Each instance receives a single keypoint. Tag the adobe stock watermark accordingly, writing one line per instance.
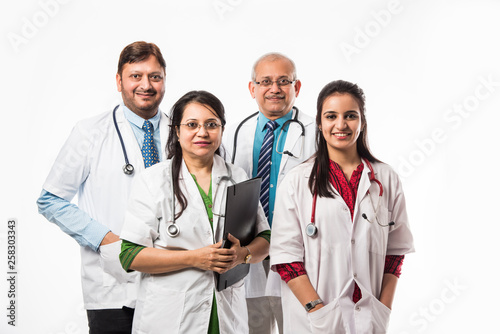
(31, 26)
(364, 36)
(453, 117)
(221, 7)
(421, 319)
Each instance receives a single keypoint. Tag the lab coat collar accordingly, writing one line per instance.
(138, 120)
(219, 170)
(364, 185)
(131, 145)
(164, 130)
(263, 120)
(293, 138)
(364, 182)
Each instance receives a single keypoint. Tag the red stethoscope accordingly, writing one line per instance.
(312, 229)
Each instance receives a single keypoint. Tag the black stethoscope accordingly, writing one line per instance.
(312, 229)
(173, 229)
(128, 169)
(294, 119)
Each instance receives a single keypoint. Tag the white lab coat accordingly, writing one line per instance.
(90, 163)
(181, 301)
(255, 281)
(342, 253)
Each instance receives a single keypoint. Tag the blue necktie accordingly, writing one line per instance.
(264, 165)
(149, 152)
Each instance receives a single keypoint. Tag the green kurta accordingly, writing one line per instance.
(213, 325)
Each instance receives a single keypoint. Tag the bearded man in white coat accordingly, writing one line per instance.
(99, 160)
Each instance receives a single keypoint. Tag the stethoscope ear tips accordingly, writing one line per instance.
(392, 223)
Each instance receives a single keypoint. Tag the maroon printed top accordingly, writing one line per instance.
(348, 191)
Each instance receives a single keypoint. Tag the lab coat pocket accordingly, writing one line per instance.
(379, 231)
(380, 316)
(238, 308)
(159, 310)
(112, 271)
(327, 319)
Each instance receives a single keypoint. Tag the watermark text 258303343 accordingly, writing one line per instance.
(11, 271)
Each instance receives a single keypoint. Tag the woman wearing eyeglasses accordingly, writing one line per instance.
(340, 228)
(177, 287)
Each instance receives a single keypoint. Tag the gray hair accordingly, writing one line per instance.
(273, 56)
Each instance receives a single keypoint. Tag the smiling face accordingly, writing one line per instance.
(142, 86)
(274, 101)
(198, 142)
(341, 124)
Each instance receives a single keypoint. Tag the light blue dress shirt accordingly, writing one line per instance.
(69, 217)
(260, 132)
(137, 122)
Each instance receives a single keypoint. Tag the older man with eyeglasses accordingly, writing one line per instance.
(268, 144)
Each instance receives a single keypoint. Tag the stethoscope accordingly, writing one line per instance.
(312, 229)
(173, 229)
(294, 119)
(128, 169)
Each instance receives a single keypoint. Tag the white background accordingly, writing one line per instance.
(423, 66)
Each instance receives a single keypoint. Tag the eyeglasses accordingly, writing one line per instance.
(209, 126)
(269, 83)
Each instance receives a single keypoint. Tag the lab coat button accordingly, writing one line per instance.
(358, 308)
(353, 242)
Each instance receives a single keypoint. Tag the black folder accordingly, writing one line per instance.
(242, 202)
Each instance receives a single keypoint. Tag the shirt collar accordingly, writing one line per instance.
(337, 173)
(262, 120)
(336, 167)
(139, 121)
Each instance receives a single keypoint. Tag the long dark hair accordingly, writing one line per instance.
(319, 178)
(174, 147)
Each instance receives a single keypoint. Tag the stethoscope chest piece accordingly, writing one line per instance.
(173, 230)
(311, 230)
(128, 169)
